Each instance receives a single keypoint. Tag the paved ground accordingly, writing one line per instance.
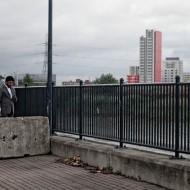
(42, 173)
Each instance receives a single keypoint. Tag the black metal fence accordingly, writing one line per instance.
(152, 115)
(31, 101)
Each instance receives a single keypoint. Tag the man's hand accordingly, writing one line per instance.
(14, 98)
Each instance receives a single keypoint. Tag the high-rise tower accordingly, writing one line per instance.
(150, 57)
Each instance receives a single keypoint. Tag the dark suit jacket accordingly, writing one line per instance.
(6, 102)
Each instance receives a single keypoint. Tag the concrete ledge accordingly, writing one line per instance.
(150, 167)
(23, 136)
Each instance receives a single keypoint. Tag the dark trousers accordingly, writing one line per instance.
(7, 115)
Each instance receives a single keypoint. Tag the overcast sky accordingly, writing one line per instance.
(90, 37)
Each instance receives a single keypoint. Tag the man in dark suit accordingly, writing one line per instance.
(7, 97)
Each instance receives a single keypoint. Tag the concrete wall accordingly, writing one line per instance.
(23, 136)
(154, 168)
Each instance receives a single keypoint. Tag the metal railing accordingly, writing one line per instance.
(151, 115)
(31, 101)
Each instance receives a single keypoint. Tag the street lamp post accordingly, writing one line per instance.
(49, 76)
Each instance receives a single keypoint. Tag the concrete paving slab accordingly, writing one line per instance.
(43, 173)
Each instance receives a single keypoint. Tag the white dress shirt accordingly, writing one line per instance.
(9, 90)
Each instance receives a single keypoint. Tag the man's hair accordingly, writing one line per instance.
(9, 78)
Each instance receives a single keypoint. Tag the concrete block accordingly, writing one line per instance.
(90, 153)
(23, 136)
(141, 165)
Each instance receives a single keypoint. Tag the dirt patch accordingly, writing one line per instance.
(77, 162)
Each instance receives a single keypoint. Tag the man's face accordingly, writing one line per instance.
(9, 83)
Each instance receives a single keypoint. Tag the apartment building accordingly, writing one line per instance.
(150, 57)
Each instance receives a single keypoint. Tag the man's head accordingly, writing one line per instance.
(9, 81)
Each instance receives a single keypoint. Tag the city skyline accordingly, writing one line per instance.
(90, 37)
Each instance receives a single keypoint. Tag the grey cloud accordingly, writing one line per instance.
(97, 36)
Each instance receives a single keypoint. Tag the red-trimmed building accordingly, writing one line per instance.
(133, 76)
(150, 57)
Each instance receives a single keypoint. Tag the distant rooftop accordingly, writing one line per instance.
(172, 58)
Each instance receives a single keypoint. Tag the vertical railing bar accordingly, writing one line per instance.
(104, 108)
(124, 114)
(96, 89)
(161, 111)
(188, 118)
(167, 126)
(170, 115)
(158, 117)
(102, 113)
(152, 116)
(177, 118)
(155, 115)
(112, 112)
(164, 117)
(138, 115)
(80, 110)
(67, 126)
(65, 107)
(111, 115)
(92, 111)
(57, 122)
(124, 132)
(87, 122)
(141, 115)
(118, 111)
(185, 116)
(173, 117)
(71, 110)
(181, 121)
(63, 119)
(171, 136)
(105, 112)
(87, 113)
(131, 113)
(25, 98)
(149, 113)
(134, 117)
(115, 112)
(136, 111)
(121, 113)
(54, 111)
(75, 111)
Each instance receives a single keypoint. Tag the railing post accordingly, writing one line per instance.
(80, 110)
(25, 98)
(53, 111)
(177, 118)
(50, 55)
(121, 113)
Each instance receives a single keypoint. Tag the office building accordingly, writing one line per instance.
(172, 67)
(186, 77)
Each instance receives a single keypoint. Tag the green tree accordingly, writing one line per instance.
(1, 82)
(106, 79)
(1, 77)
(27, 79)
